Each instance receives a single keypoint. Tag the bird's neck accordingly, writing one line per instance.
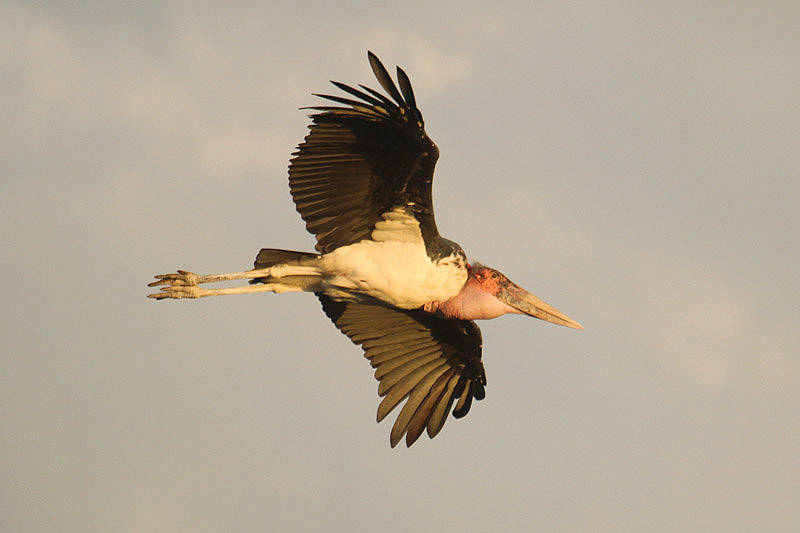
(471, 303)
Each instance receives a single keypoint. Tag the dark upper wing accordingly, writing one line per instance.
(361, 160)
(433, 361)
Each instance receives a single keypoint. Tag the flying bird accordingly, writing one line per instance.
(361, 181)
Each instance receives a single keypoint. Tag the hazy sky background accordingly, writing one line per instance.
(635, 164)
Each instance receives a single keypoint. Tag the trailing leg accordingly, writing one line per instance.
(276, 271)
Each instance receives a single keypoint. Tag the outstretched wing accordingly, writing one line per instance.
(362, 160)
(432, 361)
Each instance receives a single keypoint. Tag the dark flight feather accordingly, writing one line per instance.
(362, 160)
(427, 360)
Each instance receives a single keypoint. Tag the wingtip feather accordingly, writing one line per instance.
(383, 77)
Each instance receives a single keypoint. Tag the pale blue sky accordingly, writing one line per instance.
(634, 164)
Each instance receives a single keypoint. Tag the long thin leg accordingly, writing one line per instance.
(193, 291)
(184, 277)
(184, 284)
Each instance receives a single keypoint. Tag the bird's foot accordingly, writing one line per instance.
(180, 284)
(181, 277)
(179, 291)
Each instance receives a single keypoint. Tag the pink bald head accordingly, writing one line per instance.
(489, 294)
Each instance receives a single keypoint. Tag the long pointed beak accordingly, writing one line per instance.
(526, 303)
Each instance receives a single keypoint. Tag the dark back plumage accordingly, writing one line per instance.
(362, 160)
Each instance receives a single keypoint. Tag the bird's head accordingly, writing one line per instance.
(489, 293)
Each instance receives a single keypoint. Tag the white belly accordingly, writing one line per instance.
(393, 267)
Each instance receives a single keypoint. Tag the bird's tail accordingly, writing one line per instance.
(295, 269)
(268, 257)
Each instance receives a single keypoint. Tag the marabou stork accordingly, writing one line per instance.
(361, 181)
